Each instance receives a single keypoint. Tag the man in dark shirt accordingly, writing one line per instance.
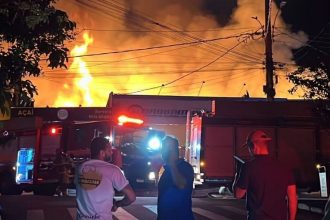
(175, 185)
(266, 182)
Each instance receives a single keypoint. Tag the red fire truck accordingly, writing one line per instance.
(40, 146)
(300, 132)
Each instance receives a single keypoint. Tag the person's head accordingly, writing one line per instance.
(170, 148)
(257, 142)
(101, 149)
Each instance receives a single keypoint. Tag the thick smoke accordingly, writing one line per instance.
(226, 67)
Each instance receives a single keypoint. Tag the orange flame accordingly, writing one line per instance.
(79, 93)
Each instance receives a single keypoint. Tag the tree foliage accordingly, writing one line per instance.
(314, 81)
(313, 59)
(30, 32)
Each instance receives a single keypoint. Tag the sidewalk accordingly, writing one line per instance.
(311, 202)
(204, 192)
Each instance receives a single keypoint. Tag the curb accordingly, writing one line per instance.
(203, 192)
(305, 207)
(200, 194)
(312, 202)
(216, 195)
(301, 204)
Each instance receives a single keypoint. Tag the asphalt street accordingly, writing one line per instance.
(208, 204)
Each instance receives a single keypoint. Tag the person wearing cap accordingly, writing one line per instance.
(175, 184)
(268, 185)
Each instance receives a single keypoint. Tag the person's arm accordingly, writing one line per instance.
(129, 198)
(241, 181)
(292, 201)
(238, 192)
(178, 179)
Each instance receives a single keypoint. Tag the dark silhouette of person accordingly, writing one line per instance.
(269, 186)
(175, 184)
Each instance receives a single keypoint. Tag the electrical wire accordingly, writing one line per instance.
(135, 17)
(181, 77)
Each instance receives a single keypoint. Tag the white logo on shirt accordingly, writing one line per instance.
(89, 178)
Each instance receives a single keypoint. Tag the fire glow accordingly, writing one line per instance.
(123, 64)
(78, 93)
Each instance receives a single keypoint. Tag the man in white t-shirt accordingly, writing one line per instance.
(96, 181)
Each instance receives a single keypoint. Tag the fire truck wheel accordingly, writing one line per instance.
(45, 189)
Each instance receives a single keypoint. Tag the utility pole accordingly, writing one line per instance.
(269, 87)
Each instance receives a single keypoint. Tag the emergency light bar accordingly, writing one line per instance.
(124, 119)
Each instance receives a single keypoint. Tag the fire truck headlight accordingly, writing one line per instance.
(154, 143)
(152, 176)
(110, 138)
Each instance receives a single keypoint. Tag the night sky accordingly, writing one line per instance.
(310, 16)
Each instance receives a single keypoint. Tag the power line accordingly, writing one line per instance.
(309, 44)
(165, 31)
(306, 44)
(215, 79)
(208, 84)
(165, 46)
(173, 81)
(169, 72)
(135, 17)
